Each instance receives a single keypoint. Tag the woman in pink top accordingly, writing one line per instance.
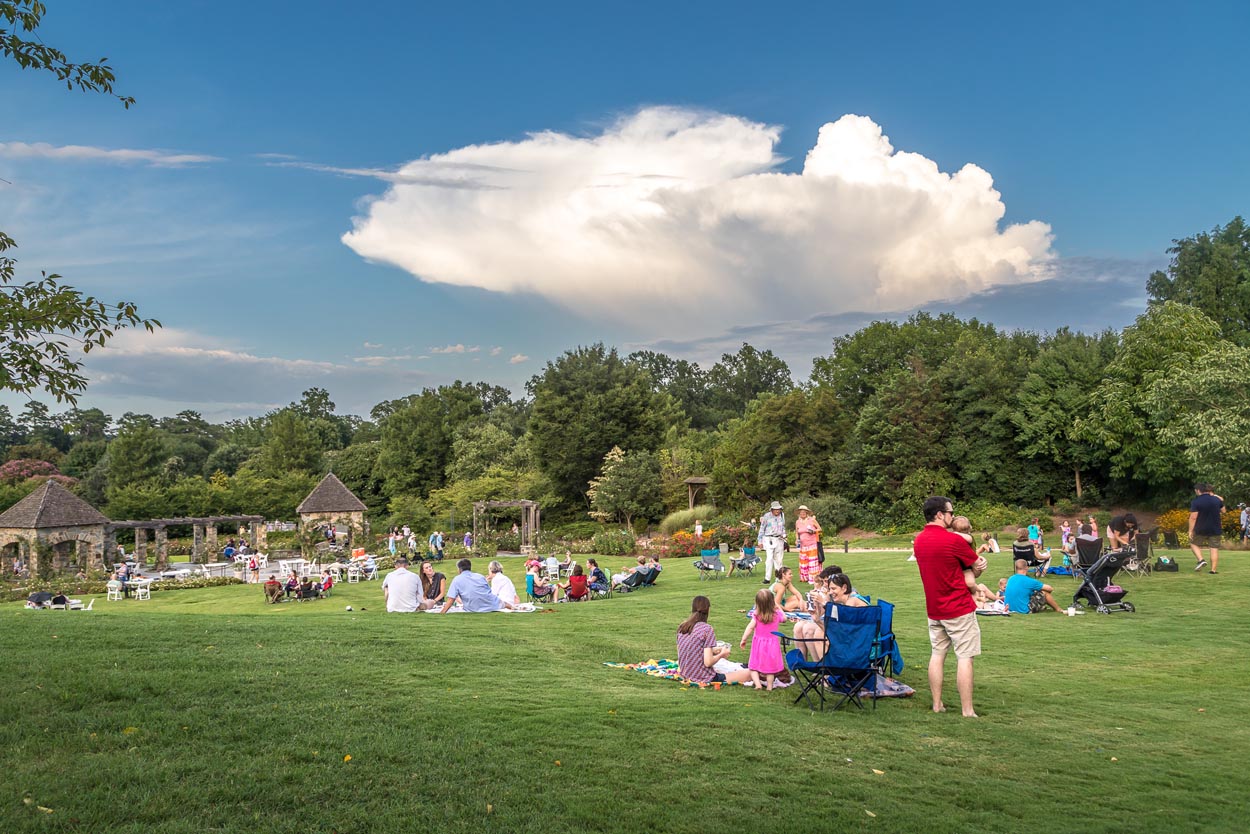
(807, 531)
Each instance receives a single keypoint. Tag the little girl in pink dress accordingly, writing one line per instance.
(766, 657)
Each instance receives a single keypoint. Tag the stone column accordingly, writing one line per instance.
(162, 548)
(253, 541)
(141, 544)
(108, 552)
(197, 543)
(210, 542)
(260, 536)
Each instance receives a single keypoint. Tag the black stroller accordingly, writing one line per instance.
(1096, 589)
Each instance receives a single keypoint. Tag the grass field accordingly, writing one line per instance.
(205, 710)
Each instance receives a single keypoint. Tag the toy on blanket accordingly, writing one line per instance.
(666, 669)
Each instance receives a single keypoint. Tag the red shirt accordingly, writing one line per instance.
(942, 556)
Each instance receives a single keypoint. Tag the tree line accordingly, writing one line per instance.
(896, 411)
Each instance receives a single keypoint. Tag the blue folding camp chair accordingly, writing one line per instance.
(709, 564)
(885, 651)
(848, 666)
(745, 564)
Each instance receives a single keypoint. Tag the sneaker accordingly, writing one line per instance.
(1202, 563)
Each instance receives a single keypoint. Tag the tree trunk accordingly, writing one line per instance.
(1077, 471)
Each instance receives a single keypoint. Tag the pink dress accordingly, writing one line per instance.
(766, 646)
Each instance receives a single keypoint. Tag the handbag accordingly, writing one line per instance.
(820, 551)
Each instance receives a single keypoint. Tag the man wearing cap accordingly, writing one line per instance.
(771, 539)
(402, 589)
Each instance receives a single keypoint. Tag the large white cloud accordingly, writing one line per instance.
(673, 217)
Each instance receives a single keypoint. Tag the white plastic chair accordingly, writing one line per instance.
(143, 590)
(353, 574)
(552, 566)
(115, 593)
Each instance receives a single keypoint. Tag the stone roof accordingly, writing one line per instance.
(331, 496)
(52, 505)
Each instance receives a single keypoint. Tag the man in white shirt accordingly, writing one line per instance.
(402, 588)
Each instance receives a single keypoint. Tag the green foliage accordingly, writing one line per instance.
(1211, 272)
(783, 442)
(585, 402)
(290, 447)
(410, 510)
(685, 519)
(1202, 408)
(1120, 420)
(614, 542)
(627, 487)
(417, 435)
(740, 378)
(136, 457)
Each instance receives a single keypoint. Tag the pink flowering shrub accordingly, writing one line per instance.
(13, 471)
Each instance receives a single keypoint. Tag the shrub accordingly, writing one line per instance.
(575, 530)
(1174, 520)
(683, 519)
(614, 542)
(681, 545)
(71, 587)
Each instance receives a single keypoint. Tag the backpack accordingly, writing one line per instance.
(1166, 565)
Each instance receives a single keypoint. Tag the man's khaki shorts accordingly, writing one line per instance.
(1200, 540)
(964, 633)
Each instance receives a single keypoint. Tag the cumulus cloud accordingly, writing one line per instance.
(518, 358)
(672, 212)
(88, 153)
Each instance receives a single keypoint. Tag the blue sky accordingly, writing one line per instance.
(517, 180)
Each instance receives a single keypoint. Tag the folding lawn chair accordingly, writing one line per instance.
(1088, 551)
(709, 565)
(632, 581)
(745, 564)
(885, 650)
(848, 665)
(533, 597)
(648, 576)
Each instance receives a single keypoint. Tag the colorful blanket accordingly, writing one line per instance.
(667, 669)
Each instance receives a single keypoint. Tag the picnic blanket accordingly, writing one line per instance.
(667, 669)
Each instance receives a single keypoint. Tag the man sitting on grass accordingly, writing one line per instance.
(473, 591)
(1021, 588)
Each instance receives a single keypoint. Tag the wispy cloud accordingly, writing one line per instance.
(457, 348)
(372, 345)
(89, 153)
(447, 176)
(378, 361)
(495, 351)
(518, 358)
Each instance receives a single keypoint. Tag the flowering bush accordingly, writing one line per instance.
(614, 543)
(14, 471)
(681, 545)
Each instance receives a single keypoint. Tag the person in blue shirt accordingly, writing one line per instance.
(1021, 587)
(473, 591)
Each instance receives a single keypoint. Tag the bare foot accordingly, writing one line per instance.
(939, 707)
(971, 715)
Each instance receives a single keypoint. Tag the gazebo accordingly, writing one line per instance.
(331, 502)
(694, 486)
(55, 522)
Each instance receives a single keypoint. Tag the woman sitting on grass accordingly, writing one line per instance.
(698, 654)
(787, 596)
(433, 586)
(500, 585)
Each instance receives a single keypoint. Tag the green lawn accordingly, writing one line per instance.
(205, 710)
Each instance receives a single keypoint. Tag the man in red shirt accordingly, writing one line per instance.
(942, 557)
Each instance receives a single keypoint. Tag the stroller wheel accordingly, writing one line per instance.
(1128, 606)
(1102, 609)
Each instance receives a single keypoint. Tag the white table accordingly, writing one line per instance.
(218, 568)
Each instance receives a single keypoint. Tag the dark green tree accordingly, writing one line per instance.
(136, 457)
(628, 487)
(738, 378)
(290, 447)
(584, 403)
(1211, 271)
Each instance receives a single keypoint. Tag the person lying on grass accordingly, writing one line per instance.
(473, 592)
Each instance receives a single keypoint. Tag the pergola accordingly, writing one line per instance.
(203, 534)
(530, 514)
(695, 486)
